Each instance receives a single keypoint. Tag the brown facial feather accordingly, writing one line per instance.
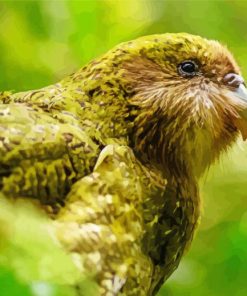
(184, 123)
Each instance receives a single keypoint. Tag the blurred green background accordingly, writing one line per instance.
(42, 41)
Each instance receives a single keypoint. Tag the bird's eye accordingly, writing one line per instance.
(187, 68)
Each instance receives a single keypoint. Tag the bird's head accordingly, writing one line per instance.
(188, 99)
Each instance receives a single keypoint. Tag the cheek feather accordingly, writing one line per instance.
(184, 126)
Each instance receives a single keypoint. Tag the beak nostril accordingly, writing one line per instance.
(233, 80)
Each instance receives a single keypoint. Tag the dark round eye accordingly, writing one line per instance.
(187, 68)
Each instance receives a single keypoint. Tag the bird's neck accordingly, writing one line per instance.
(180, 153)
(178, 145)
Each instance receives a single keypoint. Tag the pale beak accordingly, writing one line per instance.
(240, 93)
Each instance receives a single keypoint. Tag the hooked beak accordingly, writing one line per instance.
(240, 93)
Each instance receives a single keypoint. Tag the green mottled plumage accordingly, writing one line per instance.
(87, 148)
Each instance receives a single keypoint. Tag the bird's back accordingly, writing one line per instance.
(44, 148)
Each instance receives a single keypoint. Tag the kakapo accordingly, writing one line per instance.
(113, 153)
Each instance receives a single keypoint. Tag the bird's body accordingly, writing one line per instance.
(113, 154)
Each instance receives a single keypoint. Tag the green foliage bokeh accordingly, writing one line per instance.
(42, 41)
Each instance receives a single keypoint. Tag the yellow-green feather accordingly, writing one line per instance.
(69, 146)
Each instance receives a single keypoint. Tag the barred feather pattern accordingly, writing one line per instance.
(113, 154)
